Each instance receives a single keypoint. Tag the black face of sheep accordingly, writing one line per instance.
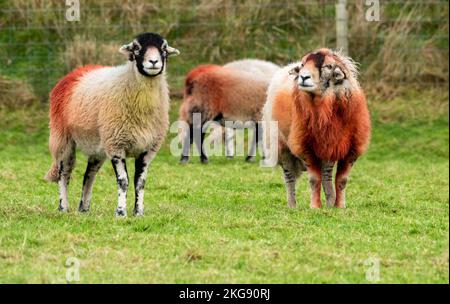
(150, 51)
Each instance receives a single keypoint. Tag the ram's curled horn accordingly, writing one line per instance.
(170, 50)
(338, 74)
(349, 64)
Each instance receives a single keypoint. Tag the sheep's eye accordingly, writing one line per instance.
(328, 66)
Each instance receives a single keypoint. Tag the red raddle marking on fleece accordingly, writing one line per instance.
(195, 72)
(209, 101)
(59, 96)
(331, 129)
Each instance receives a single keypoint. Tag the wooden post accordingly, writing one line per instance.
(342, 26)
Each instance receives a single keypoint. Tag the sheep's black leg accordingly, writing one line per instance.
(203, 156)
(198, 135)
(141, 167)
(94, 164)
(199, 138)
(120, 168)
(327, 183)
(187, 143)
(65, 167)
(257, 139)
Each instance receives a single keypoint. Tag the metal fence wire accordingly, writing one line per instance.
(406, 45)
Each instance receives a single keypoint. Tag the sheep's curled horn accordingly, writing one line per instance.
(338, 74)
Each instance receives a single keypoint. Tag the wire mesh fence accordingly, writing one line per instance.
(407, 45)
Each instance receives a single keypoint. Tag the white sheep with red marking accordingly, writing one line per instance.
(111, 112)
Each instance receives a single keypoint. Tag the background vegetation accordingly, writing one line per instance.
(227, 222)
(406, 49)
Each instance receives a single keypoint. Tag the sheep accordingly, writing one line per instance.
(233, 92)
(261, 68)
(322, 119)
(258, 68)
(111, 112)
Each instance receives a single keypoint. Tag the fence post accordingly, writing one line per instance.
(342, 26)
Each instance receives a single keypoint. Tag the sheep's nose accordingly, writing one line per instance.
(153, 61)
(305, 77)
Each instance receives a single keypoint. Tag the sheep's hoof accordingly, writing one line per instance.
(230, 157)
(121, 212)
(184, 160)
(83, 209)
(339, 203)
(330, 203)
(315, 206)
(250, 159)
(63, 209)
(292, 205)
(204, 160)
(138, 212)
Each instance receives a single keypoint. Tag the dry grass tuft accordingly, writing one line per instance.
(16, 93)
(82, 51)
(192, 256)
(395, 61)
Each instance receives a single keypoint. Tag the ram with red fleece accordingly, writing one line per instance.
(322, 118)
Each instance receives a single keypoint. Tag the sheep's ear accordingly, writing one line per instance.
(131, 49)
(295, 71)
(126, 48)
(170, 50)
(338, 74)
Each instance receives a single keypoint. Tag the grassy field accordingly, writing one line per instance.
(227, 221)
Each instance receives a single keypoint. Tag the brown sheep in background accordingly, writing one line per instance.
(233, 92)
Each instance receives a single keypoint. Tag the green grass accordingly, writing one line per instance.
(228, 221)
